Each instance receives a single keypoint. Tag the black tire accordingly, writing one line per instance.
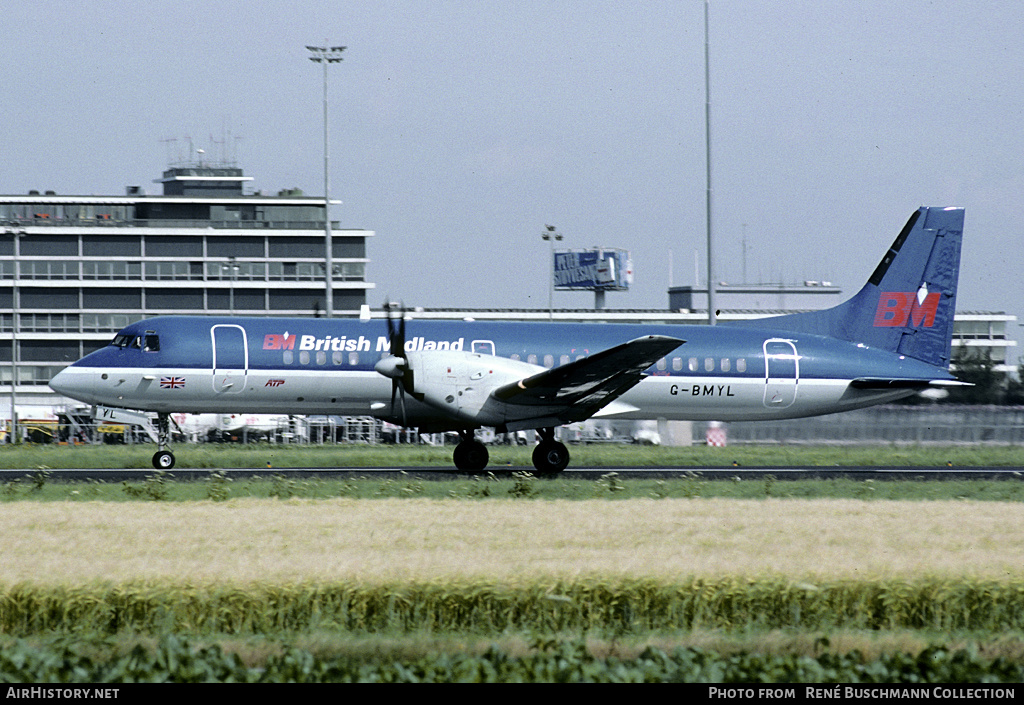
(163, 460)
(550, 457)
(471, 456)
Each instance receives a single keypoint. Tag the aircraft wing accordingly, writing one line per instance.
(578, 390)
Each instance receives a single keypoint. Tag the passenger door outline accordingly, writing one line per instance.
(781, 373)
(230, 358)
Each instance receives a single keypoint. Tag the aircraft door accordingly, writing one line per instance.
(781, 373)
(230, 358)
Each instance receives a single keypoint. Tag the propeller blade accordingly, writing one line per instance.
(401, 399)
(397, 366)
(398, 339)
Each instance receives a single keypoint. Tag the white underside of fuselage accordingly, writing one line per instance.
(360, 393)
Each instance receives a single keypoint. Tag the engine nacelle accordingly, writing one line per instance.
(460, 383)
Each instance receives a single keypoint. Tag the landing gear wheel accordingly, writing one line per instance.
(550, 457)
(163, 460)
(471, 456)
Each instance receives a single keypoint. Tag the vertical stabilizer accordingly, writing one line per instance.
(907, 305)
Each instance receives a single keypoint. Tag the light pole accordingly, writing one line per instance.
(232, 269)
(16, 236)
(712, 313)
(327, 55)
(550, 234)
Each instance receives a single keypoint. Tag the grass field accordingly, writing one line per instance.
(378, 571)
(356, 456)
(506, 540)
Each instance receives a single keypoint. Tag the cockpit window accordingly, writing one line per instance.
(150, 342)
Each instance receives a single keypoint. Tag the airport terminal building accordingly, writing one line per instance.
(76, 269)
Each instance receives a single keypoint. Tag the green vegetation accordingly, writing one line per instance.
(552, 660)
(943, 623)
(221, 486)
(438, 632)
(262, 455)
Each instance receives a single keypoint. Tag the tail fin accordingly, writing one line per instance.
(907, 306)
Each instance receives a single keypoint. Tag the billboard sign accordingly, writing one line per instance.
(593, 270)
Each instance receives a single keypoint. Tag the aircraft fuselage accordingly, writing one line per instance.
(318, 366)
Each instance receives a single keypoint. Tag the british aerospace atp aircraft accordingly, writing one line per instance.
(890, 340)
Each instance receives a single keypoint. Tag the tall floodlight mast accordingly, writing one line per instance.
(712, 314)
(551, 235)
(325, 56)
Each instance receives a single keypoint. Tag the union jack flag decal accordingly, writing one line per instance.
(172, 382)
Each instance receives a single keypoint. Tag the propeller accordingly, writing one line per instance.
(396, 366)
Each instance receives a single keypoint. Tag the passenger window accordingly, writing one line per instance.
(321, 357)
(662, 364)
(532, 359)
(726, 364)
(549, 361)
(563, 360)
(353, 358)
(741, 365)
(693, 364)
(337, 358)
(677, 364)
(514, 356)
(304, 357)
(709, 364)
(289, 357)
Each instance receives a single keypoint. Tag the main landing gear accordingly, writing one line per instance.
(549, 457)
(163, 459)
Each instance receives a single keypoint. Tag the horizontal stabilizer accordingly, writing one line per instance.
(895, 383)
(616, 408)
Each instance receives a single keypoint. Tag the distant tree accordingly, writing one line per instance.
(1015, 387)
(977, 368)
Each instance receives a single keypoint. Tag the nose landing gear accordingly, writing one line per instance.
(163, 459)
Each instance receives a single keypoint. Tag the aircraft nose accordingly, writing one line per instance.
(74, 382)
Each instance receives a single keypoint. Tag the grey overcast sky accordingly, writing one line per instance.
(460, 128)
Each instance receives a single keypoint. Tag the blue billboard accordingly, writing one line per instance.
(593, 270)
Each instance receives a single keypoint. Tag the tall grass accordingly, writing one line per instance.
(594, 605)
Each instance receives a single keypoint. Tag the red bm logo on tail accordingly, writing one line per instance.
(898, 308)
